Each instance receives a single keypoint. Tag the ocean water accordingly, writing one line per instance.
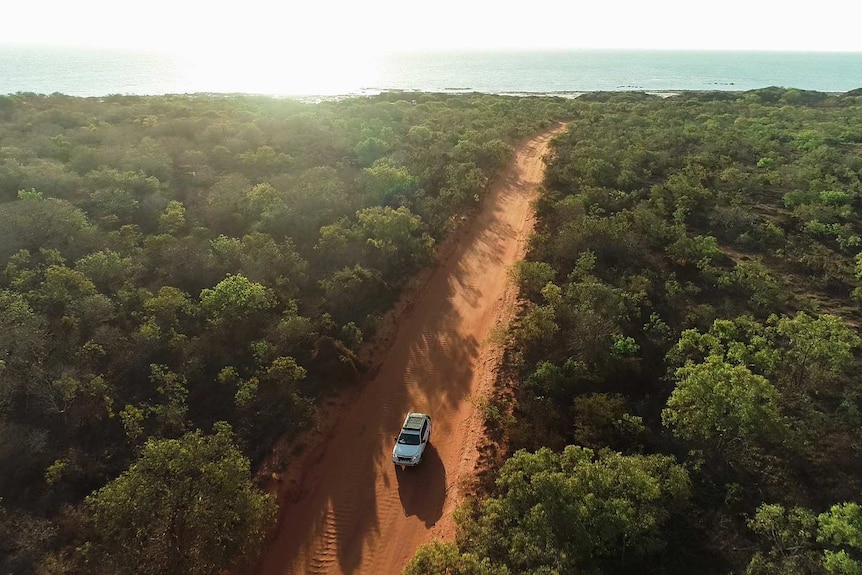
(89, 72)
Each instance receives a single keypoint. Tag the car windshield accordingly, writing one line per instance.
(408, 439)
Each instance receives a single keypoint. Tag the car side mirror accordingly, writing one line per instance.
(395, 438)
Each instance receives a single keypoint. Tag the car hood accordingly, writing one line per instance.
(404, 450)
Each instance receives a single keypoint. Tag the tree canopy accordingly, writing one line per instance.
(692, 291)
(186, 505)
(576, 511)
(169, 262)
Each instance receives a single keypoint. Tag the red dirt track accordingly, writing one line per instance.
(354, 513)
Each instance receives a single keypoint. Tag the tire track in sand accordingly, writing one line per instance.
(356, 513)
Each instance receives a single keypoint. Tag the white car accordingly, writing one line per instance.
(410, 443)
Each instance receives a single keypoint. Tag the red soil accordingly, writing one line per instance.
(350, 510)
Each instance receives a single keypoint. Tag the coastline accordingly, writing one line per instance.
(94, 73)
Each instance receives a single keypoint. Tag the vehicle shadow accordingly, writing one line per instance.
(429, 366)
(422, 489)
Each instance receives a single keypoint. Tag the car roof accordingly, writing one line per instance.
(414, 421)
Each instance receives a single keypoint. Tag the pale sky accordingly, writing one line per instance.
(326, 28)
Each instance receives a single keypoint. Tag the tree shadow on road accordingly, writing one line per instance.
(422, 489)
(429, 365)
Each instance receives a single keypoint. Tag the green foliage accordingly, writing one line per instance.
(352, 293)
(22, 336)
(30, 195)
(396, 239)
(677, 241)
(116, 213)
(278, 393)
(694, 250)
(841, 563)
(790, 534)
(623, 346)
(537, 327)
(107, 269)
(576, 511)
(55, 471)
(132, 419)
(602, 420)
(261, 259)
(170, 413)
(532, 277)
(392, 242)
(185, 505)
(52, 223)
(494, 413)
(766, 163)
(235, 299)
(439, 558)
(718, 402)
(548, 379)
(263, 161)
(383, 183)
(173, 219)
(752, 280)
(818, 351)
(670, 213)
(741, 341)
(656, 328)
(841, 528)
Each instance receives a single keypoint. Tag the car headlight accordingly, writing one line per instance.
(414, 459)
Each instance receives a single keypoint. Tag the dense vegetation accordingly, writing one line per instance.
(181, 278)
(682, 391)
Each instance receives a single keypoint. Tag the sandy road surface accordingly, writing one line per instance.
(356, 514)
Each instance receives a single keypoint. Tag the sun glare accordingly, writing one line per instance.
(278, 72)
